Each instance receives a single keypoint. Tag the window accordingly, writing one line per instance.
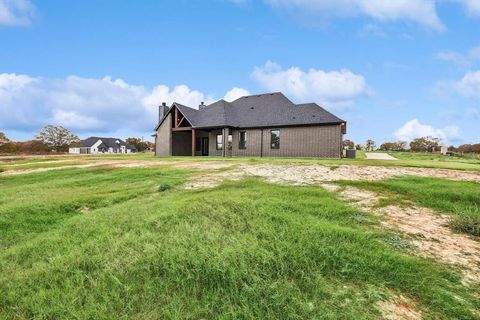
(275, 139)
(219, 142)
(242, 140)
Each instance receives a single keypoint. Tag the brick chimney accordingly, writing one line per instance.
(162, 111)
(201, 106)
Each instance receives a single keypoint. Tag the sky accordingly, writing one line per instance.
(394, 70)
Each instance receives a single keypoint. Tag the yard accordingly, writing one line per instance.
(181, 238)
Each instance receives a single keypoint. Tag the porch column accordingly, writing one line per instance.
(193, 142)
(225, 141)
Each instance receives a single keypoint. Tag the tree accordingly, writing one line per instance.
(393, 146)
(349, 144)
(138, 143)
(370, 145)
(424, 144)
(359, 147)
(33, 147)
(3, 138)
(57, 137)
(9, 147)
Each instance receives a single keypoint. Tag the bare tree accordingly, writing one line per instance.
(57, 137)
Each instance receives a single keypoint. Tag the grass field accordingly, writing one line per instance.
(132, 243)
(405, 159)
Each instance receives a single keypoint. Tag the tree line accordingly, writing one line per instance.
(422, 144)
(56, 139)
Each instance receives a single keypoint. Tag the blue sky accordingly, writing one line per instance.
(392, 69)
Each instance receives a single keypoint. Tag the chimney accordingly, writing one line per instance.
(162, 111)
(201, 106)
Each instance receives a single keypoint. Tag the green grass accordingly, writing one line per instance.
(38, 165)
(461, 199)
(469, 158)
(34, 203)
(239, 251)
(406, 159)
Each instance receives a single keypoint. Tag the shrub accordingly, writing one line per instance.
(467, 221)
(164, 187)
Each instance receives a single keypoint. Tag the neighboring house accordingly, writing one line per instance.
(96, 145)
(266, 125)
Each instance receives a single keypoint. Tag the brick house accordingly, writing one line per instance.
(265, 125)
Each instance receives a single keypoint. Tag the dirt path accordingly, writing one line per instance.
(379, 156)
(427, 230)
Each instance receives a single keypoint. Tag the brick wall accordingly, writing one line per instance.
(314, 141)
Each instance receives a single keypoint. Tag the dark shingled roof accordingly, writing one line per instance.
(264, 110)
(106, 143)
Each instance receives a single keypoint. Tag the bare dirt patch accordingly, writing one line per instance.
(430, 233)
(399, 307)
(296, 174)
(427, 229)
(309, 174)
(214, 179)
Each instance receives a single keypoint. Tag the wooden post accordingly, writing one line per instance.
(176, 117)
(224, 153)
(193, 142)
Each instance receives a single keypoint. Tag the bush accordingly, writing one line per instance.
(9, 147)
(164, 187)
(467, 221)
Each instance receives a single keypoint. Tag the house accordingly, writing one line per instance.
(265, 125)
(96, 145)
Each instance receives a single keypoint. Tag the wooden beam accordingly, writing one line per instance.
(182, 129)
(180, 121)
(176, 117)
(193, 143)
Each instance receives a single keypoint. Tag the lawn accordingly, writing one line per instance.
(405, 159)
(131, 243)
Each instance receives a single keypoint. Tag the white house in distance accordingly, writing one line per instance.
(99, 145)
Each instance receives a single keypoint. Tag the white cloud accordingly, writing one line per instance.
(463, 60)
(469, 85)
(235, 93)
(181, 94)
(86, 105)
(16, 12)
(331, 88)
(420, 11)
(472, 7)
(414, 129)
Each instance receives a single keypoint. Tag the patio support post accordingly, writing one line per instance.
(193, 142)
